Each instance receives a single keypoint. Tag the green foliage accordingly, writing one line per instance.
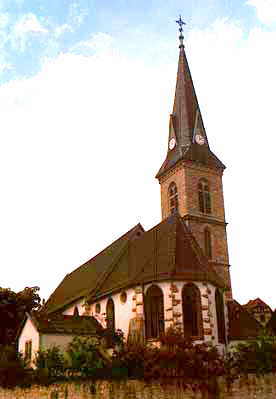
(257, 356)
(83, 356)
(113, 338)
(13, 307)
(197, 366)
(50, 363)
(12, 371)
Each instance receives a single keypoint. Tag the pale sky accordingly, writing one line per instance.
(86, 89)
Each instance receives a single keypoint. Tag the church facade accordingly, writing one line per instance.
(176, 274)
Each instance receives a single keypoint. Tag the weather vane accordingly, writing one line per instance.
(180, 22)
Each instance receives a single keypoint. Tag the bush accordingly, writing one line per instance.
(197, 366)
(258, 356)
(84, 357)
(51, 361)
(12, 370)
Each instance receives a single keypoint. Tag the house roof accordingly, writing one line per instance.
(64, 324)
(242, 325)
(250, 305)
(78, 284)
(167, 251)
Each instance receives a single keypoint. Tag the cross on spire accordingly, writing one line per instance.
(180, 22)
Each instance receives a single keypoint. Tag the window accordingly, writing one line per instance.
(110, 315)
(173, 198)
(154, 312)
(220, 316)
(123, 297)
(204, 198)
(192, 315)
(28, 350)
(76, 311)
(207, 243)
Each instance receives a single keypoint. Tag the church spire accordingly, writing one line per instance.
(186, 114)
(187, 136)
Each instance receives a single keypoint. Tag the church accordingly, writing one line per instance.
(177, 274)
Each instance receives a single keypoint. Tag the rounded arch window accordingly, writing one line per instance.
(98, 308)
(110, 315)
(123, 297)
(192, 314)
(76, 311)
(154, 312)
(173, 197)
(204, 197)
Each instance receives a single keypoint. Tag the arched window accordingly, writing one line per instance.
(76, 311)
(154, 312)
(204, 197)
(192, 315)
(207, 243)
(220, 316)
(173, 198)
(110, 315)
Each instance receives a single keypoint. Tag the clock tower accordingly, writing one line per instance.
(191, 176)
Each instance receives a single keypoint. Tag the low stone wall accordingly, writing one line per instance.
(253, 388)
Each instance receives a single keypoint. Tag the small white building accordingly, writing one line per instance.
(41, 332)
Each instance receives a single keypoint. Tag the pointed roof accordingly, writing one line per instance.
(242, 325)
(186, 123)
(78, 284)
(167, 251)
(252, 303)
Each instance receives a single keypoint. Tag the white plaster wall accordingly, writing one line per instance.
(49, 340)
(165, 287)
(29, 332)
(70, 310)
(123, 311)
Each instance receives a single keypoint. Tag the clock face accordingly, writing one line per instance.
(172, 143)
(199, 139)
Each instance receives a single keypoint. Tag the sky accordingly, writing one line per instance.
(86, 89)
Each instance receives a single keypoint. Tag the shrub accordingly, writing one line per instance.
(50, 365)
(194, 365)
(257, 356)
(12, 370)
(84, 357)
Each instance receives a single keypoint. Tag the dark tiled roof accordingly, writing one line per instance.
(193, 152)
(167, 251)
(80, 282)
(250, 305)
(184, 121)
(61, 324)
(242, 325)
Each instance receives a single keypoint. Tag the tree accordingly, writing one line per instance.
(13, 307)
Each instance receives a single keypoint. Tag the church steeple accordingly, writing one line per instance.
(187, 135)
(191, 176)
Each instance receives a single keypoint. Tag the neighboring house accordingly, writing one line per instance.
(41, 332)
(260, 310)
(243, 326)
